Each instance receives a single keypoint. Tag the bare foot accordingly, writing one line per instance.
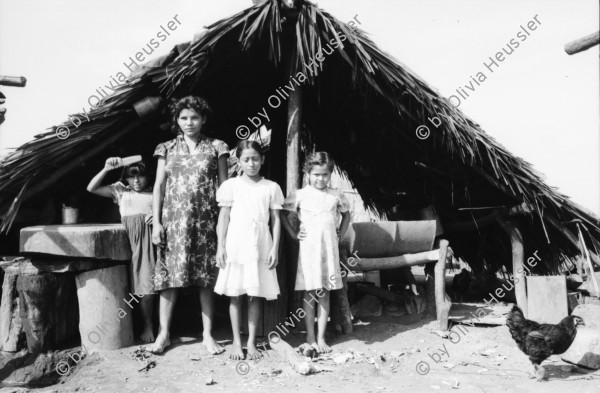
(147, 335)
(253, 353)
(211, 345)
(323, 347)
(161, 343)
(315, 346)
(540, 372)
(236, 352)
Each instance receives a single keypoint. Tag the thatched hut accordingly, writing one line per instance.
(326, 85)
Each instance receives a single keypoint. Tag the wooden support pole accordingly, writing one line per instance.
(293, 181)
(438, 302)
(294, 124)
(442, 300)
(511, 227)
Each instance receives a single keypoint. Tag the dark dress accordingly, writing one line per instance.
(189, 214)
(134, 208)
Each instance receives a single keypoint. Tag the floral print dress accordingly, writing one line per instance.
(189, 213)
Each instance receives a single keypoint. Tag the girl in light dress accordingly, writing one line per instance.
(247, 252)
(318, 271)
(135, 206)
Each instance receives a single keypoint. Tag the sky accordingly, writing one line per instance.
(540, 103)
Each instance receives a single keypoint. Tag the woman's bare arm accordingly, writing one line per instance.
(222, 168)
(158, 196)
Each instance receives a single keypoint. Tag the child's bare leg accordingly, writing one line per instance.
(207, 304)
(253, 315)
(309, 318)
(236, 316)
(147, 306)
(322, 322)
(165, 311)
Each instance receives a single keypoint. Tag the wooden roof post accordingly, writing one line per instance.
(442, 301)
(275, 312)
(511, 226)
(294, 125)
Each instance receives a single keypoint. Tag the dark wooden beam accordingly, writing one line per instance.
(583, 43)
(511, 226)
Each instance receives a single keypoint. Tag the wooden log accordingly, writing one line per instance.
(100, 241)
(518, 259)
(44, 301)
(442, 300)
(105, 316)
(12, 335)
(17, 81)
(298, 362)
(366, 264)
(583, 43)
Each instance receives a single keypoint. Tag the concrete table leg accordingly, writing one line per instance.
(105, 309)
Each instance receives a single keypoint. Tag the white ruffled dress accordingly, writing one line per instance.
(248, 240)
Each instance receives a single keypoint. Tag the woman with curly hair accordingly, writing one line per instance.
(190, 169)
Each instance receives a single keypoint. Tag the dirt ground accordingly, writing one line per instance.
(382, 355)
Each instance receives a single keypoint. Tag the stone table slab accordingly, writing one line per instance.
(102, 241)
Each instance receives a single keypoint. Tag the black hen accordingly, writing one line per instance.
(460, 284)
(539, 341)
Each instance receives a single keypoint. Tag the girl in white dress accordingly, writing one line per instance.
(318, 262)
(247, 253)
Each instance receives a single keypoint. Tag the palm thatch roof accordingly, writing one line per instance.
(361, 105)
